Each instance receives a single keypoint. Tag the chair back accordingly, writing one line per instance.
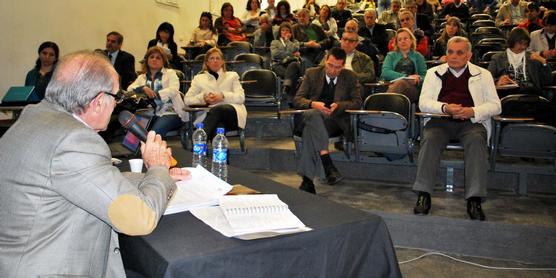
(476, 17)
(391, 102)
(521, 105)
(488, 56)
(181, 77)
(247, 61)
(265, 87)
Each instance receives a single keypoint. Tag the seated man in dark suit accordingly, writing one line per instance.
(327, 91)
(123, 62)
(375, 32)
(457, 9)
(340, 13)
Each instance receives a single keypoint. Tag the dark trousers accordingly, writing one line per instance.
(317, 128)
(223, 115)
(436, 135)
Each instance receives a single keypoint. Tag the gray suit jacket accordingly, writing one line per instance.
(347, 93)
(62, 201)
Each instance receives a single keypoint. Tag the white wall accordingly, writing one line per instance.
(83, 24)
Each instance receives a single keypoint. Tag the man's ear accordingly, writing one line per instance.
(97, 103)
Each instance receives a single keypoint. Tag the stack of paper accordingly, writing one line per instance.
(250, 216)
(202, 190)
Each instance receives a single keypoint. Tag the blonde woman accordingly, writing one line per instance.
(404, 66)
(220, 90)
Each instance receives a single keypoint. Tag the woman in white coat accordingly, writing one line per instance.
(161, 85)
(220, 90)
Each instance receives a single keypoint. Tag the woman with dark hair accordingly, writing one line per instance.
(251, 15)
(327, 22)
(220, 90)
(161, 85)
(204, 36)
(516, 66)
(40, 75)
(230, 27)
(284, 13)
(165, 40)
(453, 28)
(404, 66)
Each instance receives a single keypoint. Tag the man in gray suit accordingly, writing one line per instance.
(327, 91)
(61, 200)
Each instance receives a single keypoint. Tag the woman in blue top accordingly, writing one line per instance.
(404, 67)
(40, 75)
(161, 85)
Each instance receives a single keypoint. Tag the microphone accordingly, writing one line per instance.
(130, 122)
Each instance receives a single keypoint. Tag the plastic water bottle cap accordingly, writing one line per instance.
(199, 125)
(220, 130)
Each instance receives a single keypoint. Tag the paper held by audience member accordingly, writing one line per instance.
(202, 190)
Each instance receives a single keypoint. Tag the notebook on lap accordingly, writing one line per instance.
(17, 96)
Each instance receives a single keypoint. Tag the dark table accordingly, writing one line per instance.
(345, 242)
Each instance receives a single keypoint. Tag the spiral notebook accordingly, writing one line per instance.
(250, 216)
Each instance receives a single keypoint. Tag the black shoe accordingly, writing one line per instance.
(423, 203)
(474, 209)
(333, 176)
(308, 186)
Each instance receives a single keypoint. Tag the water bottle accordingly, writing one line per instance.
(220, 155)
(199, 146)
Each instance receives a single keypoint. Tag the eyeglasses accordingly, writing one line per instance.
(405, 19)
(118, 96)
(349, 40)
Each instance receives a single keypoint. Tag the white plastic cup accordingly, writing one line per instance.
(136, 165)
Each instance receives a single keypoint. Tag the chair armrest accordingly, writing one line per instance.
(195, 108)
(377, 84)
(364, 112)
(431, 115)
(292, 112)
(512, 119)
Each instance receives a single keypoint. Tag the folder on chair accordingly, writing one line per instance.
(17, 96)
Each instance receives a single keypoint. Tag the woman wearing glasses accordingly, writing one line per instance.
(220, 90)
(161, 85)
(404, 66)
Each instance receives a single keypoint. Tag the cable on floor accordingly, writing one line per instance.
(476, 264)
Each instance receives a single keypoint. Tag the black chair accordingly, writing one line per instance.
(384, 126)
(486, 32)
(264, 92)
(481, 23)
(487, 45)
(476, 17)
(232, 49)
(521, 129)
(247, 61)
